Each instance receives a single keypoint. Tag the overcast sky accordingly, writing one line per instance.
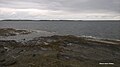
(60, 9)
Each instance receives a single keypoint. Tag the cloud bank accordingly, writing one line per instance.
(60, 9)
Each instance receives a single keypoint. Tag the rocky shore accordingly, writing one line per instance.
(12, 32)
(60, 51)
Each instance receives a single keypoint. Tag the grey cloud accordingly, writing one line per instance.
(66, 5)
(90, 5)
(70, 6)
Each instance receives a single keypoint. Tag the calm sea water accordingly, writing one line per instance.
(96, 29)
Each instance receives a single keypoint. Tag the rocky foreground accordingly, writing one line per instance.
(60, 51)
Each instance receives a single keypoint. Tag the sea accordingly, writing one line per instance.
(97, 29)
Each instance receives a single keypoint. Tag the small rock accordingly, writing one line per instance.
(43, 48)
(33, 55)
(70, 44)
(46, 43)
(6, 48)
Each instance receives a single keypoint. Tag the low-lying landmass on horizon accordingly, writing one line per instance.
(53, 20)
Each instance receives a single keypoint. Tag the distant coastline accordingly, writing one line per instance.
(57, 20)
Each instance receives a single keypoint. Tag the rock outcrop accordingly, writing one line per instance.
(5, 58)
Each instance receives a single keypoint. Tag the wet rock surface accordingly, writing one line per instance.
(59, 51)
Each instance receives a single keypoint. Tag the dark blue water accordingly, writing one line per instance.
(96, 29)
